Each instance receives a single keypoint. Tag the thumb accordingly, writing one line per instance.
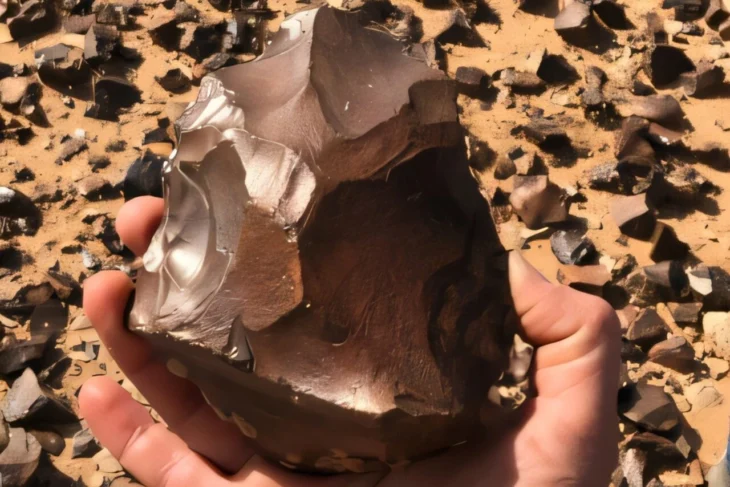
(527, 284)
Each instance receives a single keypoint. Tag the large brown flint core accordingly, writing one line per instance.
(327, 271)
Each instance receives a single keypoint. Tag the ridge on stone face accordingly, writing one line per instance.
(327, 271)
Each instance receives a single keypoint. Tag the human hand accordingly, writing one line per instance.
(567, 436)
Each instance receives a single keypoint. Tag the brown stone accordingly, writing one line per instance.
(633, 216)
(538, 201)
(651, 407)
(674, 353)
(647, 329)
(665, 245)
(685, 312)
(318, 225)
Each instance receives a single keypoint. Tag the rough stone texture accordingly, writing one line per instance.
(297, 257)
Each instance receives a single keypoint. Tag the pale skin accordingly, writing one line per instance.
(566, 437)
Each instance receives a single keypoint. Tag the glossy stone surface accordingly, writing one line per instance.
(327, 271)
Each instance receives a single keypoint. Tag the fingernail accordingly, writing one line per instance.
(520, 270)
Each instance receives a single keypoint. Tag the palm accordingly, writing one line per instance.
(566, 435)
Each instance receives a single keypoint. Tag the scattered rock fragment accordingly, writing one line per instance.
(30, 402)
(19, 460)
(574, 17)
(595, 77)
(94, 188)
(716, 325)
(84, 444)
(665, 245)
(703, 81)
(174, 81)
(112, 96)
(572, 247)
(49, 318)
(633, 216)
(18, 214)
(144, 177)
(663, 109)
(674, 353)
(632, 145)
(538, 201)
(588, 278)
(15, 354)
(702, 395)
(648, 329)
(70, 148)
(657, 448)
(471, 81)
(652, 408)
(35, 17)
(716, 14)
(63, 69)
(685, 313)
(100, 43)
(700, 279)
(521, 80)
(505, 168)
(50, 441)
(114, 14)
(669, 274)
(718, 367)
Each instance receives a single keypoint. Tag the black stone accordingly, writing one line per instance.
(144, 177)
(31, 403)
(572, 247)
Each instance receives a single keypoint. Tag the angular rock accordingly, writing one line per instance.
(31, 403)
(702, 395)
(589, 278)
(674, 353)
(700, 279)
(574, 17)
(84, 444)
(144, 177)
(663, 109)
(648, 329)
(49, 318)
(95, 187)
(716, 14)
(13, 90)
(505, 168)
(716, 325)
(70, 148)
(703, 81)
(50, 441)
(78, 24)
(538, 201)
(15, 354)
(632, 145)
(20, 459)
(63, 69)
(241, 200)
(112, 96)
(686, 184)
(35, 17)
(657, 448)
(471, 81)
(595, 78)
(685, 313)
(665, 245)
(669, 274)
(521, 80)
(633, 216)
(652, 408)
(572, 247)
(114, 14)
(100, 43)
(174, 81)
(18, 214)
